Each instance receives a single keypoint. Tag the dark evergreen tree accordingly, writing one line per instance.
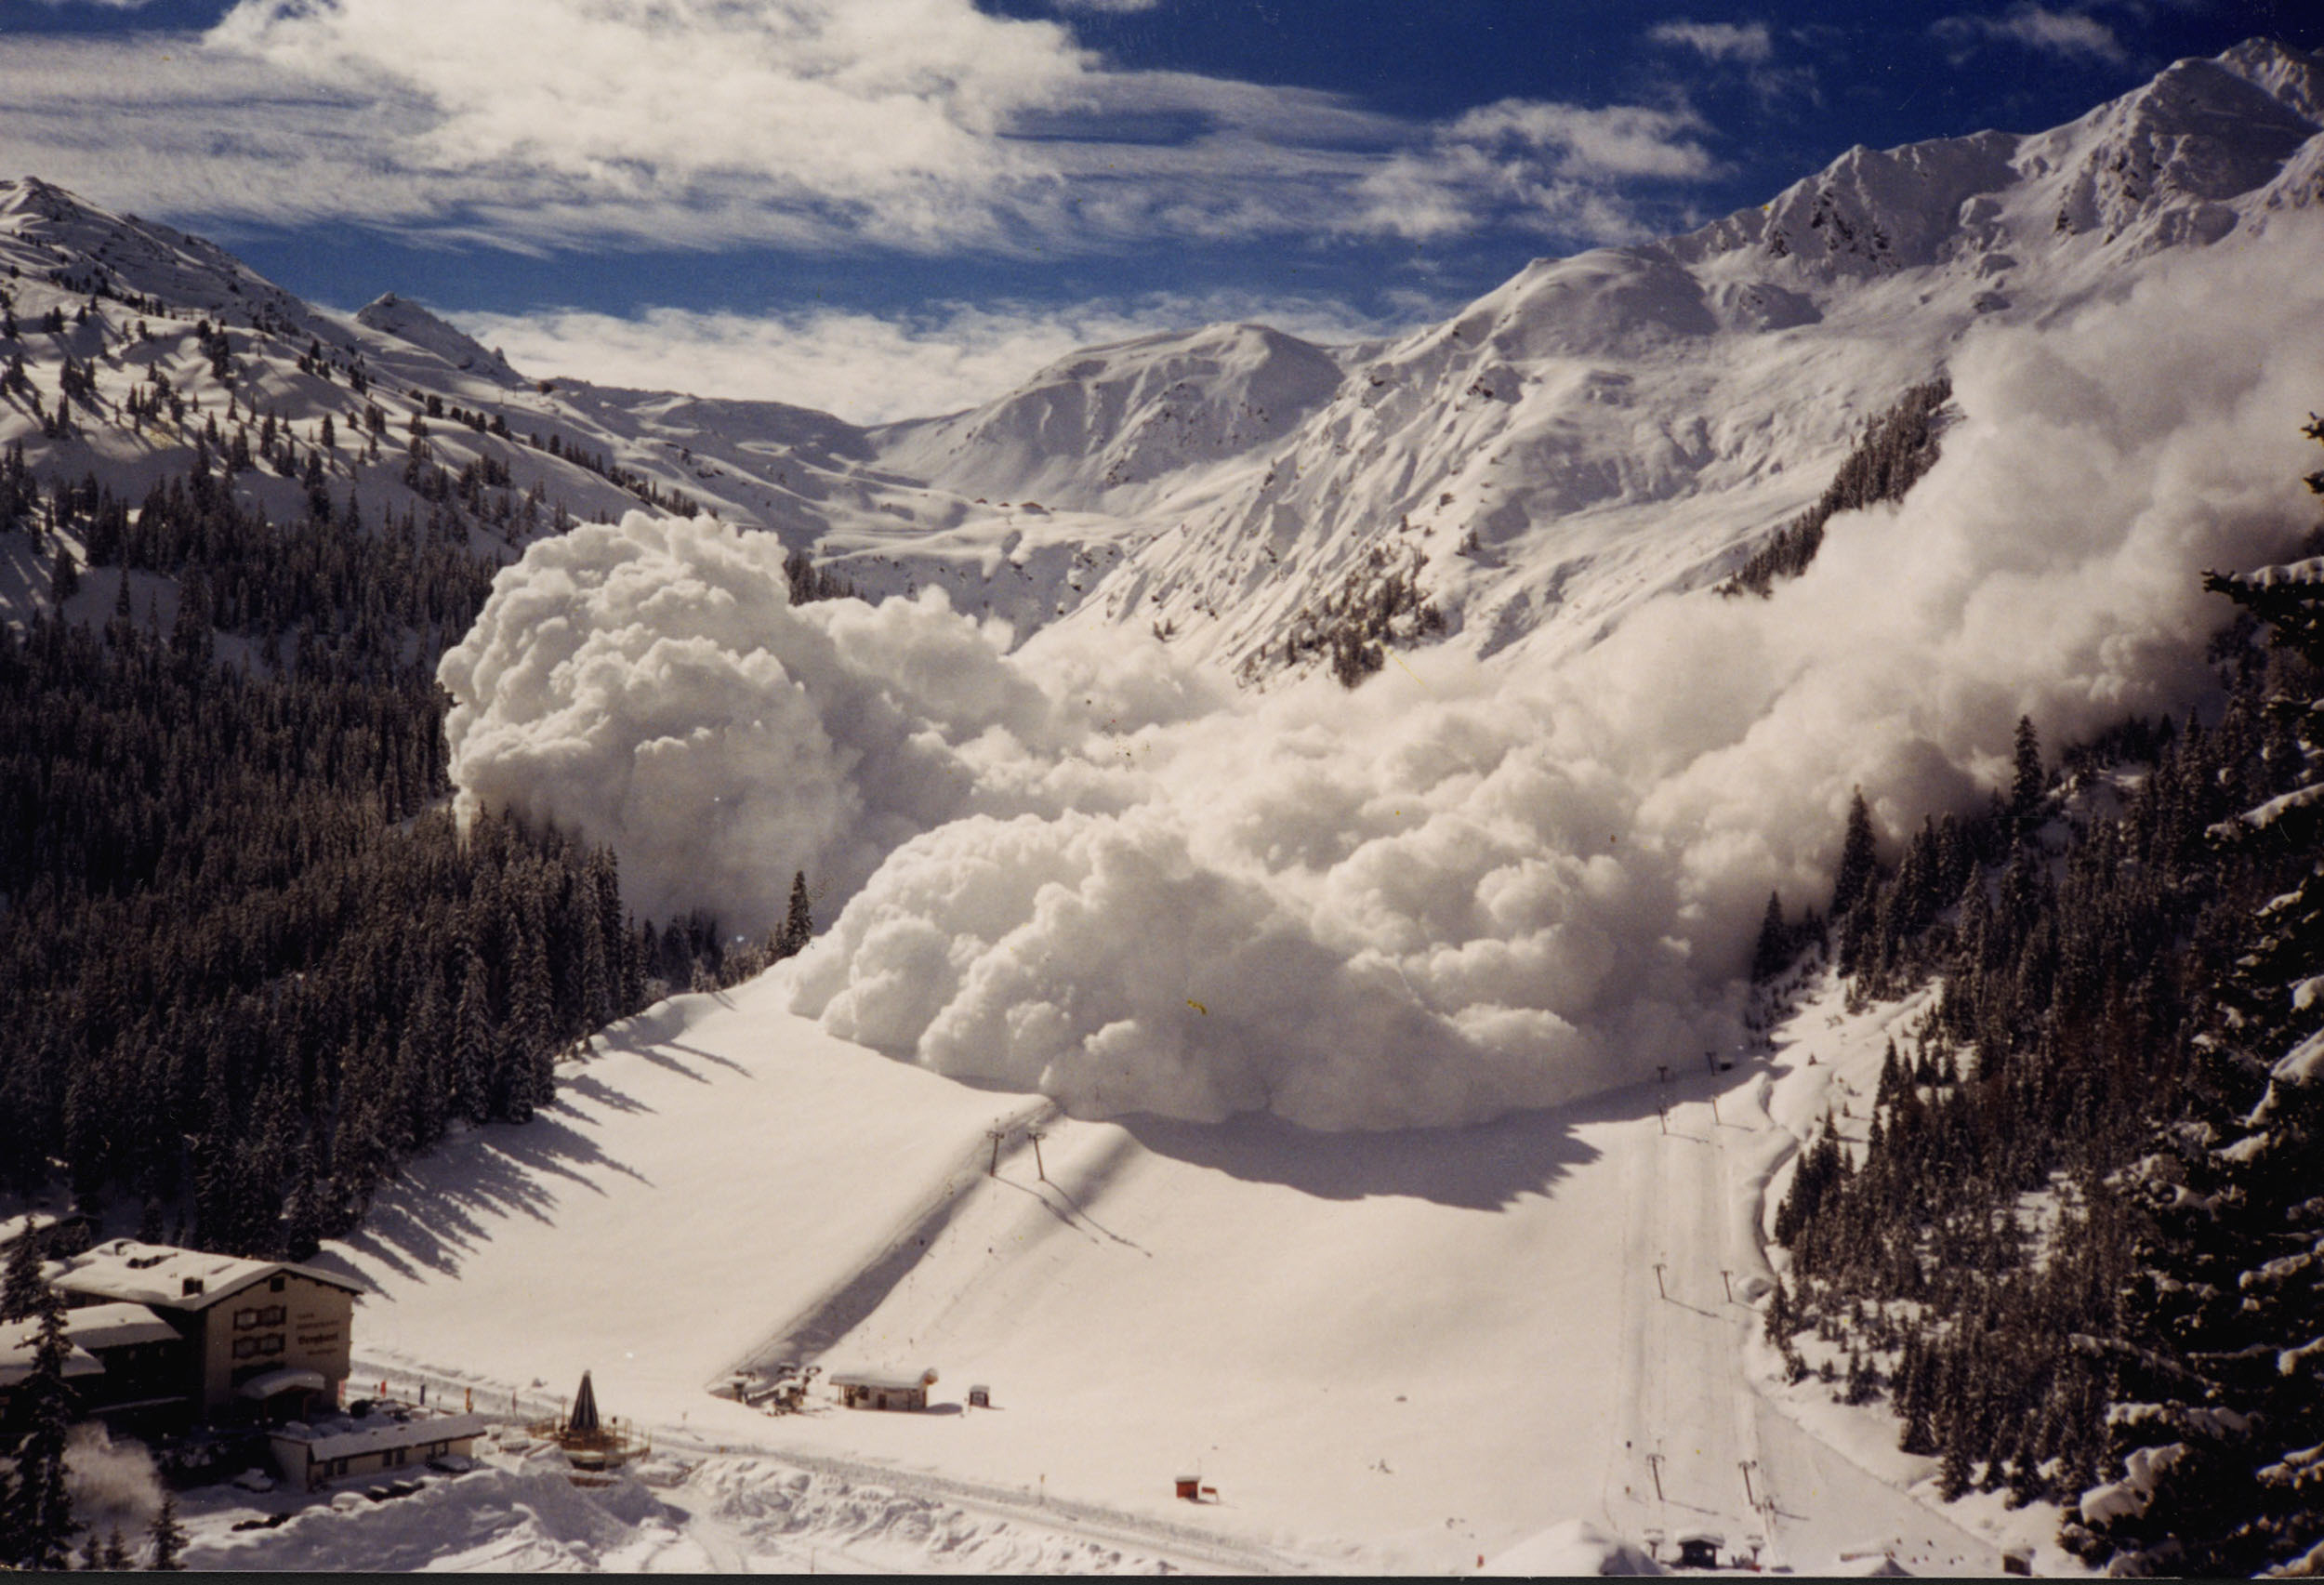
(2028, 781)
(21, 1288)
(167, 1537)
(798, 920)
(35, 1510)
(2218, 1372)
(1859, 863)
(1772, 953)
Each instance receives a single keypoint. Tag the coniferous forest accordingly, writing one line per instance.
(254, 963)
(2080, 1249)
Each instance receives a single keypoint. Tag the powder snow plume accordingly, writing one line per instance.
(1461, 888)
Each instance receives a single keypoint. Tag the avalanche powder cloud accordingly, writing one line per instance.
(1458, 891)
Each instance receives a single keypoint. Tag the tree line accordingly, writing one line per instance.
(2079, 1250)
(254, 963)
(1897, 448)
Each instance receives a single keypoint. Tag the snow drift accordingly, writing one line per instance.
(1456, 891)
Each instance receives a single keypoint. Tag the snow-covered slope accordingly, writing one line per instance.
(392, 315)
(1102, 427)
(1402, 1351)
(1605, 427)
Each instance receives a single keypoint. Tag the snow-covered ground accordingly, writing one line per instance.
(1408, 1352)
(1525, 1344)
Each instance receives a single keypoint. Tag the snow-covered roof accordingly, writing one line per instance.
(116, 1326)
(886, 1380)
(343, 1438)
(18, 1341)
(281, 1380)
(173, 1278)
(14, 1227)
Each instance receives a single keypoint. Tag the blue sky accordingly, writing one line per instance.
(889, 205)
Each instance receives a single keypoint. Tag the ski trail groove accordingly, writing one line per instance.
(837, 1311)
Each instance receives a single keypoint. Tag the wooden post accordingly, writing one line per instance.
(1660, 1289)
(1662, 1115)
(1662, 1072)
(1729, 1280)
(1745, 1465)
(1714, 1113)
(1711, 1061)
(1653, 1462)
(991, 1169)
(1037, 1136)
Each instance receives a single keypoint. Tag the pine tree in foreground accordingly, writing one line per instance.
(2218, 1423)
(21, 1288)
(167, 1536)
(36, 1512)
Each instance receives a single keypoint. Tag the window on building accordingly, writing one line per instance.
(272, 1315)
(273, 1344)
(246, 1348)
(245, 1319)
(274, 1284)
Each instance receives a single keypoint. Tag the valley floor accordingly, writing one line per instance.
(1411, 1352)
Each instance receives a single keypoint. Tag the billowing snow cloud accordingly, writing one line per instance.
(1079, 869)
(650, 684)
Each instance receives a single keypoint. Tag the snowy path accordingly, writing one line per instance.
(1690, 1424)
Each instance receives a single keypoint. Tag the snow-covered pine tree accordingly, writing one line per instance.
(35, 1511)
(2218, 1424)
(167, 1536)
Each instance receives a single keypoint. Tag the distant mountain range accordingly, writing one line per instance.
(1596, 431)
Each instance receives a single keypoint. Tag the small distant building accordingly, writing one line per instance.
(1699, 1549)
(315, 1453)
(884, 1389)
(253, 1340)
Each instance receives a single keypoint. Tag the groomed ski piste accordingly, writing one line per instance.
(1449, 1350)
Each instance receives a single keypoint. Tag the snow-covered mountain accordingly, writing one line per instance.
(1119, 900)
(1596, 430)
(1606, 427)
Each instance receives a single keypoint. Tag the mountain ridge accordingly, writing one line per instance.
(1597, 428)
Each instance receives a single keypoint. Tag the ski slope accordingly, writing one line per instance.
(1405, 1352)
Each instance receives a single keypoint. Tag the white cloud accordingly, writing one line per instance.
(1562, 168)
(1716, 41)
(919, 125)
(1081, 869)
(2070, 33)
(870, 368)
